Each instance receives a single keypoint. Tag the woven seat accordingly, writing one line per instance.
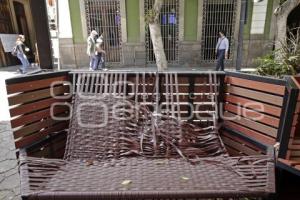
(112, 127)
(140, 178)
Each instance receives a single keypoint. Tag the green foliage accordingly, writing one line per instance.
(284, 61)
(268, 66)
(289, 52)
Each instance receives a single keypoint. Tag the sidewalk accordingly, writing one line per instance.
(9, 176)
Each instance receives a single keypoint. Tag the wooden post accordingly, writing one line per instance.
(41, 25)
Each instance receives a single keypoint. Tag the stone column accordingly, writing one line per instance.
(66, 45)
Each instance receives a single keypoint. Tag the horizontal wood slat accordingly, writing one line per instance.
(289, 162)
(253, 115)
(33, 117)
(248, 103)
(267, 130)
(31, 139)
(44, 123)
(50, 148)
(261, 86)
(250, 133)
(34, 85)
(233, 136)
(37, 95)
(237, 144)
(38, 105)
(263, 97)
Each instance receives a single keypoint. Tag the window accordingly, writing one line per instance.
(104, 17)
(217, 15)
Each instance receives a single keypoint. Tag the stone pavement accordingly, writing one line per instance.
(9, 176)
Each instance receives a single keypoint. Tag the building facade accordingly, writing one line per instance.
(189, 30)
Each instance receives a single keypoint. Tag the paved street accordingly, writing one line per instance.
(9, 177)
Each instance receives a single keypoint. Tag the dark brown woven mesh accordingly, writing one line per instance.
(142, 178)
(130, 129)
(118, 149)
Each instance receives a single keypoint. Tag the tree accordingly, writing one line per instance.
(281, 14)
(153, 21)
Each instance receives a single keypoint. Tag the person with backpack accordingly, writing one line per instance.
(91, 47)
(99, 63)
(19, 51)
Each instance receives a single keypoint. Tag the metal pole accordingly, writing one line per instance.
(241, 32)
(58, 34)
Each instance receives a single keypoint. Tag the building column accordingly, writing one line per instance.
(64, 19)
(65, 34)
(123, 21)
(181, 20)
(142, 21)
(200, 20)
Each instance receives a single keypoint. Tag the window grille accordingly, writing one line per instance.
(169, 30)
(217, 15)
(104, 17)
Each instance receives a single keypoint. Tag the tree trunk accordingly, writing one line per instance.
(155, 33)
(282, 14)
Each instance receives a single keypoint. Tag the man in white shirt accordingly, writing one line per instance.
(221, 50)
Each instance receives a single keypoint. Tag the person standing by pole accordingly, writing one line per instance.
(19, 51)
(91, 47)
(222, 50)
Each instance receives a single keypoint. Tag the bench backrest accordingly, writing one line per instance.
(188, 96)
(254, 108)
(192, 96)
(33, 101)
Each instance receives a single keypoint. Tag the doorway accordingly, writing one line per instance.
(104, 17)
(217, 15)
(6, 59)
(23, 27)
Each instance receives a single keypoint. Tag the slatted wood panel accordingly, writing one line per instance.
(290, 149)
(254, 106)
(53, 147)
(238, 146)
(38, 106)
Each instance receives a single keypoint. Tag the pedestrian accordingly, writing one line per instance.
(19, 51)
(222, 50)
(99, 63)
(91, 45)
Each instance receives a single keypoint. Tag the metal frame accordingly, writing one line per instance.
(291, 103)
(256, 78)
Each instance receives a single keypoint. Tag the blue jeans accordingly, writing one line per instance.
(98, 62)
(220, 59)
(25, 63)
(92, 60)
